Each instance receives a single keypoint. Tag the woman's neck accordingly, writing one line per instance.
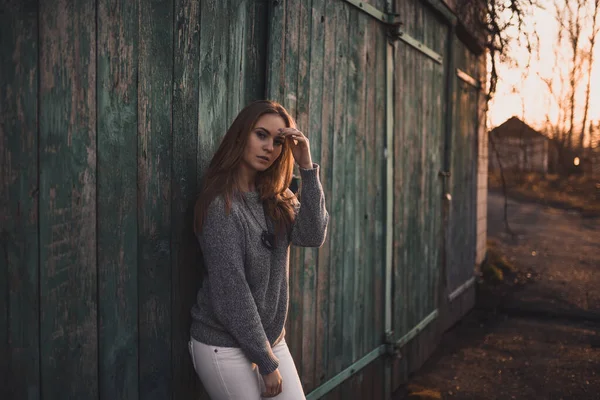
(246, 179)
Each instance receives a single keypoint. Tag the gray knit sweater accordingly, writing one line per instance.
(244, 299)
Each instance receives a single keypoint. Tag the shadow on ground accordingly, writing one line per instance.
(537, 334)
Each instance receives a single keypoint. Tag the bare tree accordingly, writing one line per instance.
(595, 30)
(594, 134)
(575, 18)
(570, 17)
(557, 128)
(503, 17)
(571, 76)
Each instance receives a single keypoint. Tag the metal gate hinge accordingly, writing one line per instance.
(391, 347)
(394, 28)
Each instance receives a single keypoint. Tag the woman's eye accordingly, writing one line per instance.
(261, 134)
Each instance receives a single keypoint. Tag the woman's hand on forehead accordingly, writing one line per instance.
(300, 146)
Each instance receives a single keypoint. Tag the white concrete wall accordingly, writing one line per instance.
(482, 177)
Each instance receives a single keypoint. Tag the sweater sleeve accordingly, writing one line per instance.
(222, 242)
(310, 225)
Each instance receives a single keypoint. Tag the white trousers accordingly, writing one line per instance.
(227, 374)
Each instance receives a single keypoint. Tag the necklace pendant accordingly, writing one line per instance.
(268, 239)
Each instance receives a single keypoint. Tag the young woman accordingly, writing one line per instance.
(245, 219)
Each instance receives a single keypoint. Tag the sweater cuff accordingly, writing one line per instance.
(268, 364)
(311, 174)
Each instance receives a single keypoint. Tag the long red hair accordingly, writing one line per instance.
(220, 178)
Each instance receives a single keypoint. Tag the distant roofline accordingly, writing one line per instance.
(516, 127)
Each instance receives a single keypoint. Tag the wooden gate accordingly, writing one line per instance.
(109, 113)
(327, 65)
(419, 121)
(462, 223)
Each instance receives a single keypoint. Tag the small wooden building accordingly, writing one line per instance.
(519, 147)
(109, 114)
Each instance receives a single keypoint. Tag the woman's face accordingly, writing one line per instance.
(264, 143)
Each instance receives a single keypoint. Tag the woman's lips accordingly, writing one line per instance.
(263, 158)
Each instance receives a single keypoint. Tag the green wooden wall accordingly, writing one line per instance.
(19, 222)
(327, 66)
(109, 113)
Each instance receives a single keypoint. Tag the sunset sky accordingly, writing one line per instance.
(521, 89)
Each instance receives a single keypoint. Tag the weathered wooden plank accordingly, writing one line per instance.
(366, 389)
(420, 174)
(439, 84)
(154, 196)
(351, 207)
(449, 109)
(277, 50)
(291, 59)
(19, 267)
(323, 11)
(247, 37)
(463, 181)
(348, 153)
(414, 208)
(420, 29)
(408, 179)
(213, 120)
(312, 68)
(451, 254)
(418, 211)
(185, 274)
(427, 216)
(361, 210)
(236, 33)
(353, 386)
(67, 219)
(276, 89)
(379, 217)
(433, 183)
(404, 124)
(282, 81)
(336, 334)
(369, 189)
(402, 79)
(423, 160)
(378, 381)
(255, 51)
(289, 99)
(435, 164)
(117, 199)
(307, 266)
(408, 211)
(335, 394)
(398, 303)
(246, 57)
